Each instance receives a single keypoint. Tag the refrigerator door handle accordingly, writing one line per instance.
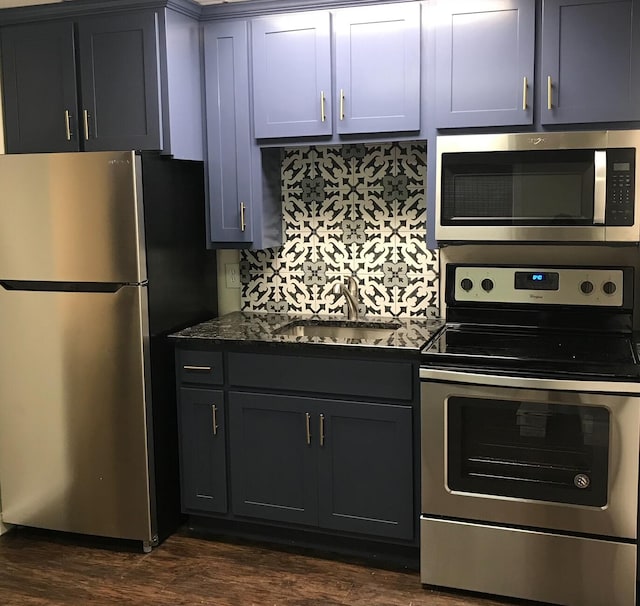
(33, 285)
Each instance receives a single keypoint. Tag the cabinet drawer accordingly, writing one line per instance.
(200, 367)
(346, 377)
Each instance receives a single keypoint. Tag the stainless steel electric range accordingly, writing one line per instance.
(531, 425)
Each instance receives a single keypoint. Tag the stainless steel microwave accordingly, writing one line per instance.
(538, 187)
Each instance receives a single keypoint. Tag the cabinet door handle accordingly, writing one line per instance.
(341, 104)
(243, 225)
(85, 115)
(308, 421)
(197, 368)
(524, 94)
(321, 430)
(323, 115)
(214, 410)
(549, 93)
(67, 124)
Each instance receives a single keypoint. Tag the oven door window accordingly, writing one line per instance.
(529, 450)
(518, 188)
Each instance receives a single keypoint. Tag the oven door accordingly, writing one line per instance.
(531, 452)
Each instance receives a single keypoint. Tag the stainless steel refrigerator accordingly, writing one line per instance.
(101, 255)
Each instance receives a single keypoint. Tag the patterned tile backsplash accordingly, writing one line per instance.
(350, 210)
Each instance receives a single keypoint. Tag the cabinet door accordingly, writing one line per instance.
(484, 63)
(39, 86)
(226, 61)
(590, 61)
(292, 75)
(272, 458)
(378, 68)
(119, 77)
(366, 469)
(203, 450)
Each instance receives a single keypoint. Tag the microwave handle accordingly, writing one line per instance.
(599, 187)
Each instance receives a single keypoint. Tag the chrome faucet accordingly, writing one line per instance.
(350, 292)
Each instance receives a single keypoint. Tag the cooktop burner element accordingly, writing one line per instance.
(534, 351)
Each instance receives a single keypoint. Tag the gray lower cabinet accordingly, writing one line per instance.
(272, 457)
(203, 469)
(202, 431)
(324, 443)
(339, 465)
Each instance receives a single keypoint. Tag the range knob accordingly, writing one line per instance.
(586, 287)
(466, 284)
(609, 288)
(487, 285)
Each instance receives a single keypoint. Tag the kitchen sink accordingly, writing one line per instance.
(339, 329)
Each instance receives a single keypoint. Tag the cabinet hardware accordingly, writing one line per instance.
(197, 368)
(524, 94)
(243, 225)
(85, 114)
(214, 410)
(67, 124)
(549, 93)
(321, 430)
(308, 421)
(341, 104)
(322, 112)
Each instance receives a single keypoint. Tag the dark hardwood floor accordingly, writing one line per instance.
(42, 568)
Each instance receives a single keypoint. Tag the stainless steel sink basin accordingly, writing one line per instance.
(340, 330)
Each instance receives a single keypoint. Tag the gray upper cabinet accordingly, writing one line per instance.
(377, 70)
(132, 90)
(120, 89)
(39, 86)
(590, 61)
(372, 85)
(243, 181)
(484, 63)
(292, 75)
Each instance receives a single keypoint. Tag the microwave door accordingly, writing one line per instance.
(599, 187)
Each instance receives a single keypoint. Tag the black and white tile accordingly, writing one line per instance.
(350, 210)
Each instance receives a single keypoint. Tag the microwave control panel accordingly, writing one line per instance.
(620, 186)
(540, 285)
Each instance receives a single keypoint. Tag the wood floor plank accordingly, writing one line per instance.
(39, 568)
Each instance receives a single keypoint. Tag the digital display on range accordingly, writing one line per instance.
(537, 280)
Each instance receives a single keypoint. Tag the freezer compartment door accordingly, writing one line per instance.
(71, 217)
(73, 418)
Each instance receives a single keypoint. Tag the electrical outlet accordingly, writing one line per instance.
(232, 275)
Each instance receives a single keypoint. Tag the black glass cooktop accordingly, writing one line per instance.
(534, 351)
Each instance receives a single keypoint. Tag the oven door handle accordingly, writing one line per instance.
(599, 187)
(453, 376)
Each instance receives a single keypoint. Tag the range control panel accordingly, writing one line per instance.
(555, 286)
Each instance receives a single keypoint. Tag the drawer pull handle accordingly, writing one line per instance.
(524, 94)
(308, 420)
(321, 430)
(243, 224)
(549, 93)
(67, 124)
(214, 410)
(197, 368)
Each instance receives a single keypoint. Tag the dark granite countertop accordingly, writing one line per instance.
(260, 327)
